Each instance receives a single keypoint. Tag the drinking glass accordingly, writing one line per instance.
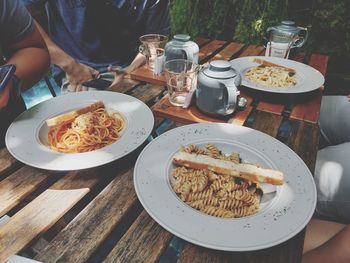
(152, 45)
(275, 49)
(181, 79)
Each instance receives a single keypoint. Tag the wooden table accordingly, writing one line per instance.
(93, 215)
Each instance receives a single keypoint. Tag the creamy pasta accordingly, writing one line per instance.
(271, 76)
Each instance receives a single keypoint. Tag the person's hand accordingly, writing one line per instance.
(348, 97)
(77, 74)
(5, 95)
(118, 73)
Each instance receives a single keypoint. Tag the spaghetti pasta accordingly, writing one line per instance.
(272, 76)
(87, 132)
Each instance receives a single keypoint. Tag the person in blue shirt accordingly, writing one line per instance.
(85, 36)
(22, 45)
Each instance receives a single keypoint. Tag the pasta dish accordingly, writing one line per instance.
(272, 76)
(213, 193)
(86, 132)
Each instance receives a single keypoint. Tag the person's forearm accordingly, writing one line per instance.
(137, 62)
(58, 56)
(31, 58)
(31, 65)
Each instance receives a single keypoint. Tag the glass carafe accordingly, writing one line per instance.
(283, 37)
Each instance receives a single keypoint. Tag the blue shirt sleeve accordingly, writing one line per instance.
(157, 17)
(15, 22)
(35, 3)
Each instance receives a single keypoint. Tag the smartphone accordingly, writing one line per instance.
(6, 74)
(98, 83)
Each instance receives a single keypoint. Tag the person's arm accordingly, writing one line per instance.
(32, 61)
(120, 73)
(24, 46)
(335, 250)
(76, 72)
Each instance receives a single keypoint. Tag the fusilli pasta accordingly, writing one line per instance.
(216, 194)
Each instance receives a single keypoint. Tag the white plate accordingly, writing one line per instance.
(308, 78)
(26, 138)
(278, 219)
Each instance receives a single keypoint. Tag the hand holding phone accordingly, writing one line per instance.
(98, 83)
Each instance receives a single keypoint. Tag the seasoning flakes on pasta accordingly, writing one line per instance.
(216, 194)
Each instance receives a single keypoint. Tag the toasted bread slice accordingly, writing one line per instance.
(243, 170)
(270, 64)
(68, 116)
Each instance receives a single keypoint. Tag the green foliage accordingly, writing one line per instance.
(247, 20)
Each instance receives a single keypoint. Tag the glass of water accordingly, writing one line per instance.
(181, 79)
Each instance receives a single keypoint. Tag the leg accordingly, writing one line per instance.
(319, 232)
(335, 250)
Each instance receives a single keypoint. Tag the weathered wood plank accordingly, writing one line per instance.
(45, 210)
(209, 49)
(305, 146)
(267, 122)
(252, 50)
(145, 74)
(7, 162)
(143, 242)
(308, 107)
(147, 92)
(276, 108)
(228, 51)
(80, 239)
(191, 115)
(196, 254)
(18, 185)
(35, 218)
(240, 117)
(126, 85)
(201, 41)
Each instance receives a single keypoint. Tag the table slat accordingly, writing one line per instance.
(81, 237)
(209, 49)
(308, 107)
(266, 122)
(18, 185)
(147, 92)
(228, 52)
(7, 162)
(305, 146)
(45, 210)
(192, 115)
(201, 41)
(144, 74)
(252, 50)
(241, 116)
(38, 216)
(145, 241)
(125, 86)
